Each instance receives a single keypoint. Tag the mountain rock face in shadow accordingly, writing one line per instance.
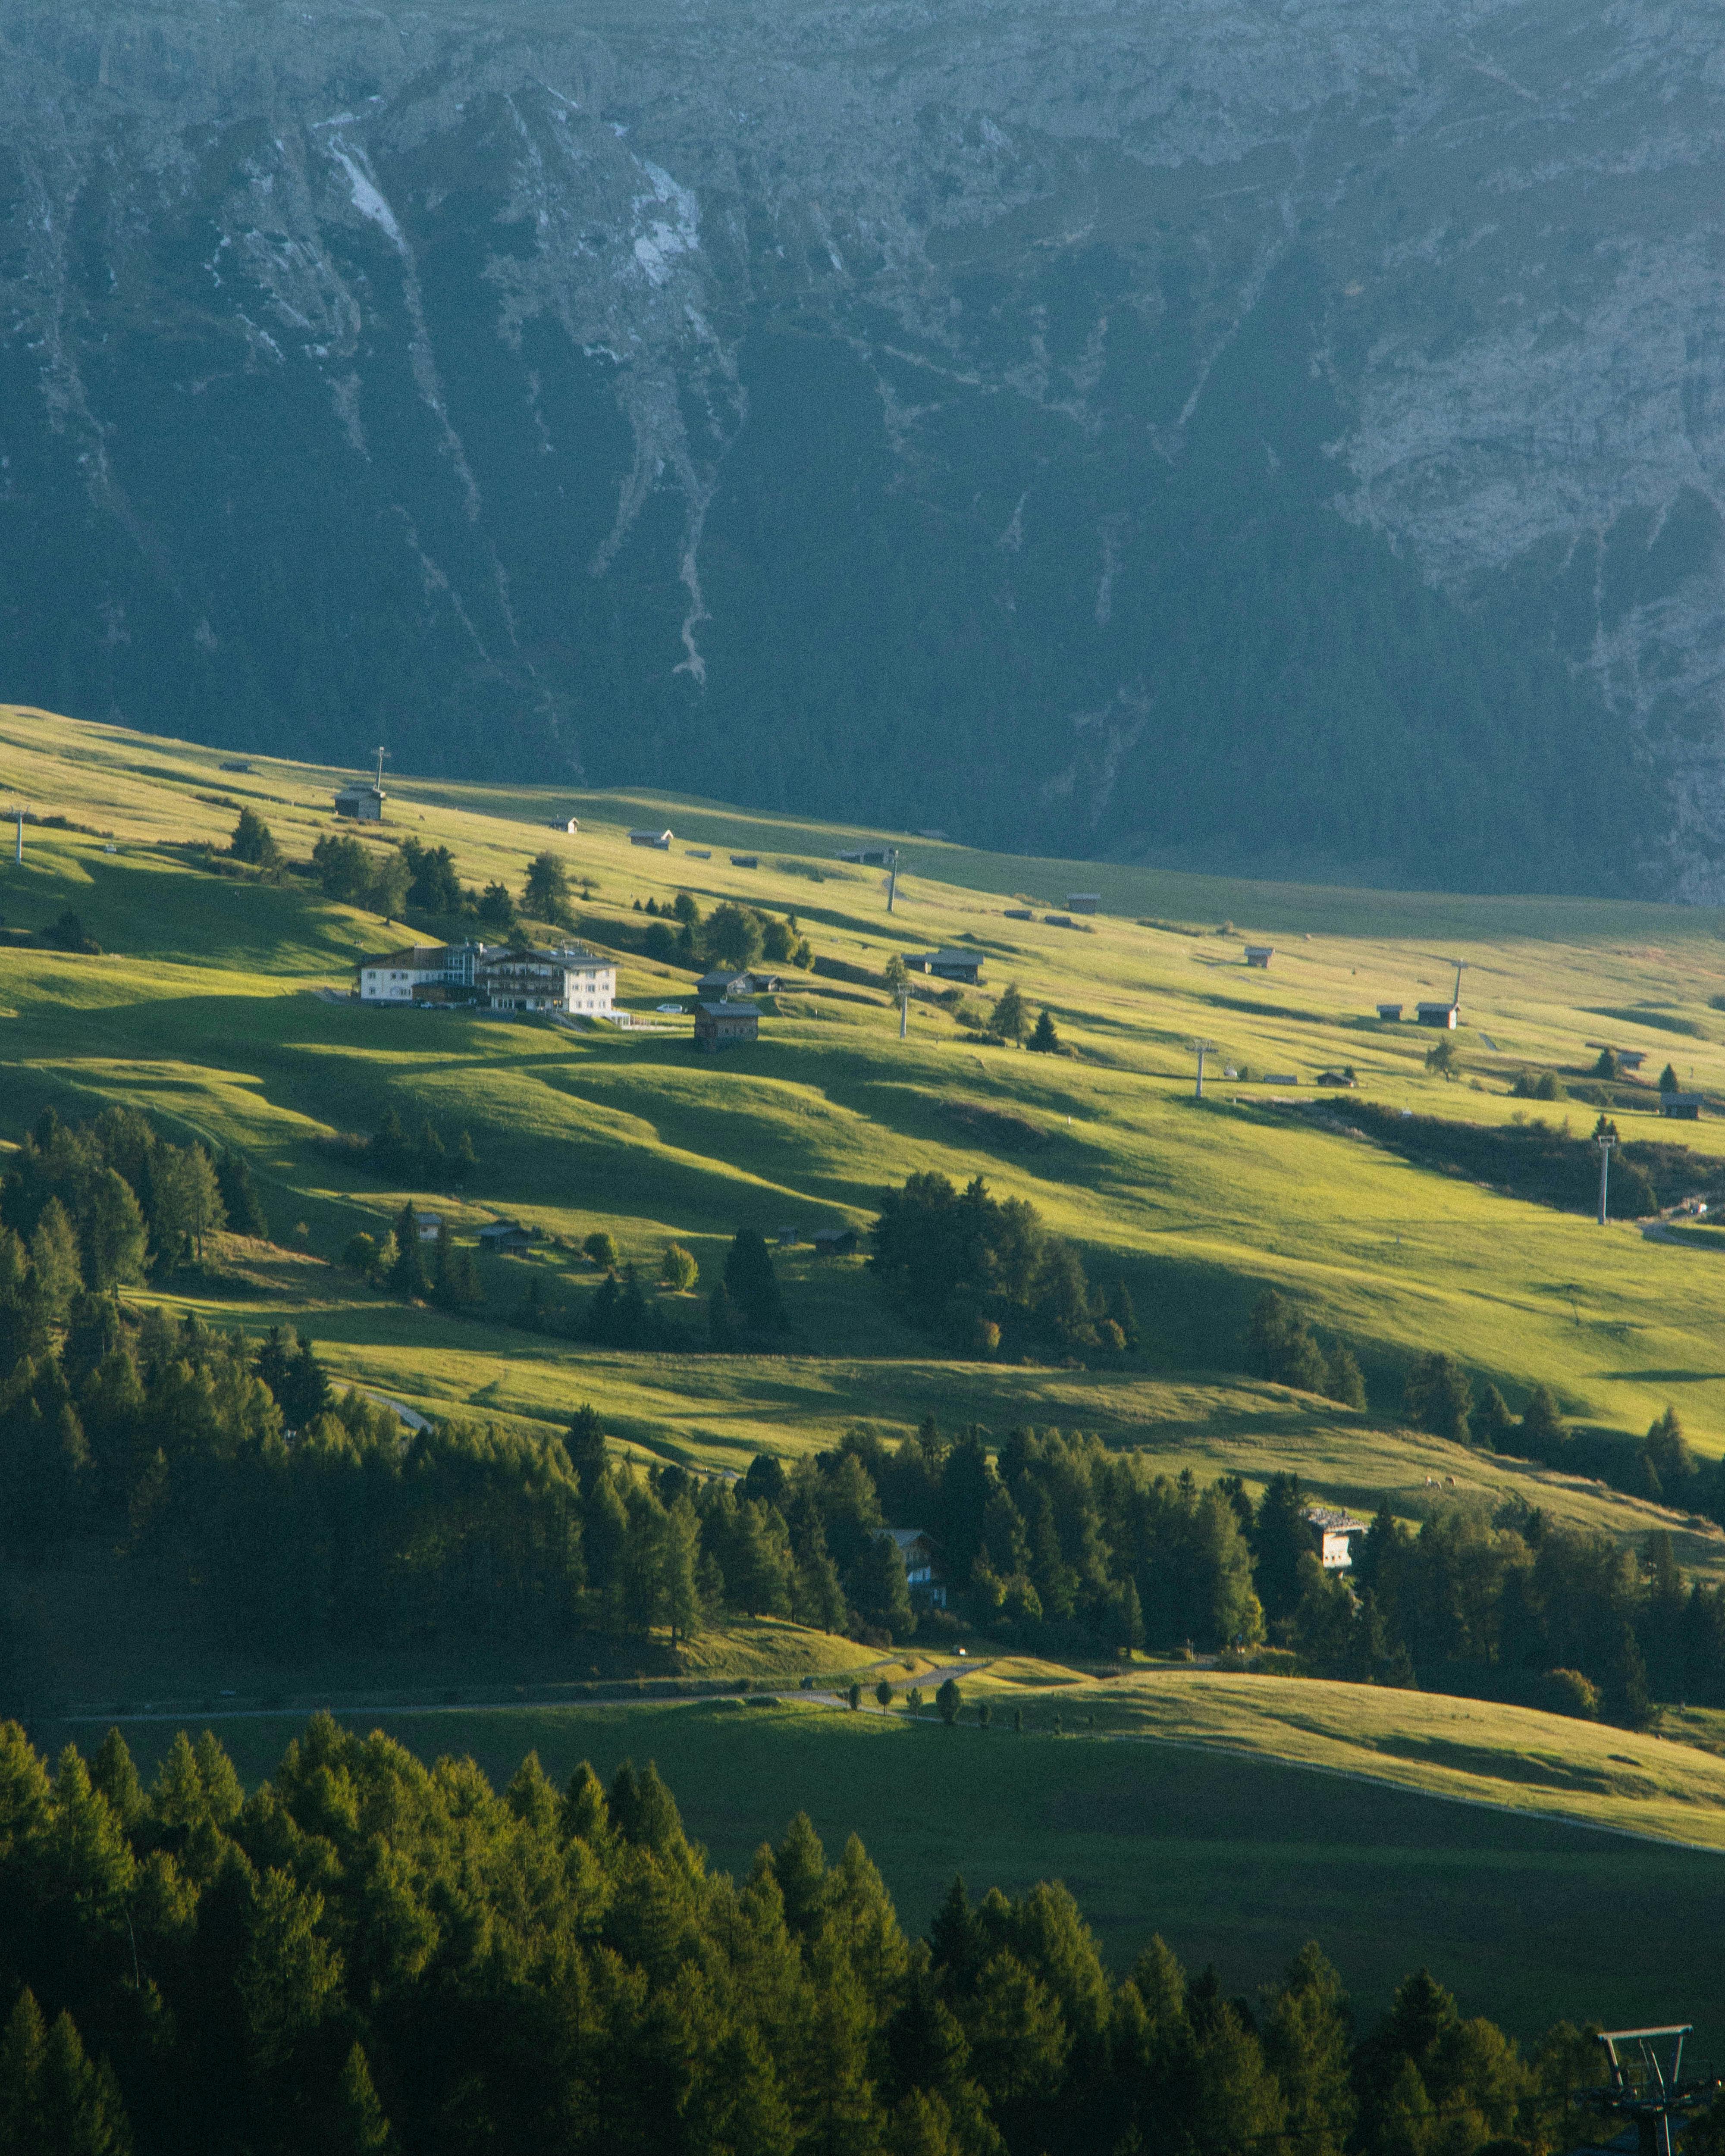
(1236, 434)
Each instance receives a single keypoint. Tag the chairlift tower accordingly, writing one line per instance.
(1201, 1049)
(892, 880)
(1604, 1144)
(1647, 2084)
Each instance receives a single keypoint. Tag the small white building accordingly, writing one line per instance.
(1442, 1015)
(1260, 954)
(1333, 1535)
(404, 977)
(659, 840)
(362, 801)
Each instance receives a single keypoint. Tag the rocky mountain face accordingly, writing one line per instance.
(1287, 435)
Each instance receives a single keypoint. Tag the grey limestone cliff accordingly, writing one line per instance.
(1286, 434)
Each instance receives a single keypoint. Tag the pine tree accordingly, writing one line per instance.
(360, 2129)
(431, 1159)
(53, 1258)
(239, 1195)
(407, 1276)
(681, 1558)
(114, 1773)
(253, 841)
(1008, 1019)
(115, 1234)
(751, 1281)
(545, 896)
(1045, 1040)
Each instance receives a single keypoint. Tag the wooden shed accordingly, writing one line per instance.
(726, 1025)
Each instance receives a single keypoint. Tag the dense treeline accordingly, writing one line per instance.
(1510, 1605)
(1282, 1345)
(368, 1954)
(304, 1520)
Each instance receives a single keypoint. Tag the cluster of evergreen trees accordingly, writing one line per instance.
(99, 1204)
(367, 1955)
(745, 1310)
(439, 1271)
(302, 1519)
(1282, 1346)
(1059, 1544)
(426, 1159)
(984, 1272)
(1440, 1396)
(1508, 1606)
(391, 880)
(730, 935)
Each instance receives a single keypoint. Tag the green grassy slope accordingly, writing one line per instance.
(206, 1013)
(1237, 1858)
(209, 1009)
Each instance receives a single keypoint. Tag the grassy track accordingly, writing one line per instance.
(1237, 1858)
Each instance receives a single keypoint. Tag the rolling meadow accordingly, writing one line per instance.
(1239, 1814)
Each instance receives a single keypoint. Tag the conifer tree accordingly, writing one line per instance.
(751, 1281)
(115, 1235)
(1008, 1019)
(360, 2129)
(253, 841)
(240, 1194)
(407, 1276)
(53, 1258)
(1045, 1040)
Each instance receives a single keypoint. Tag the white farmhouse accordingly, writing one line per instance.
(404, 976)
(572, 978)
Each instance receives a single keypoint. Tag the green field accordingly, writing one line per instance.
(206, 1011)
(218, 1006)
(1237, 1858)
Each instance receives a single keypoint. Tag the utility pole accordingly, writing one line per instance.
(904, 1010)
(382, 753)
(1202, 1048)
(1605, 1143)
(892, 882)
